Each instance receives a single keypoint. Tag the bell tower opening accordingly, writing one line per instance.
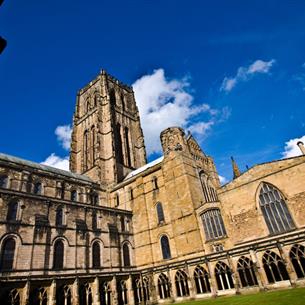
(107, 138)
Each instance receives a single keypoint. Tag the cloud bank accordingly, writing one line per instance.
(56, 161)
(291, 148)
(246, 73)
(164, 103)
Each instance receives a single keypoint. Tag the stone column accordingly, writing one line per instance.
(74, 294)
(96, 291)
(114, 291)
(212, 280)
(52, 294)
(130, 291)
(25, 295)
(257, 270)
(152, 289)
(191, 283)
(234, 274)
(171, 277)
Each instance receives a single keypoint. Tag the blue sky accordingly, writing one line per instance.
(232, 72)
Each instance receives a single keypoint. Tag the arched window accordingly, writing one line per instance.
(123, 293)
(274, 267)
(85, 294)
(86, 151)
(38, 296)
(14, 297)
(7, 254)
(209, 192)
(59, 221)
(96, 255)
(274, 209)
(63, 295)
(213, 225)
(58, 255)
(116, 199)
(201, 278)
(3, 181)
(37, 188)
(92, 144)
(119, 147)
(181, 282)
(74, 195)
(12, 210)
(163, 286)
(297, 257)
(223, 276)
(126, 255)
(246, 272)
(166, 252)
(126, 134)
(160, 213)
(141, 290)
(105, 293)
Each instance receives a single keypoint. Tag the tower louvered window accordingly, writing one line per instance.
(209, 192)
(274, 209)
(213, 224)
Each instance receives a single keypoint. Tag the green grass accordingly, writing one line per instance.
(294, 296)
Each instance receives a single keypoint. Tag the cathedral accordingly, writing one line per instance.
(116, 230)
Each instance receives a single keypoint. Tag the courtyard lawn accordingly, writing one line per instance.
(295, 296)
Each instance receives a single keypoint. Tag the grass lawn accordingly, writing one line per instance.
(294, 296)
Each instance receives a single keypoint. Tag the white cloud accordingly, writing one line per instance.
(291, 148)
(63, 134)
(164, 103)
(245, 73)
(223, 180)
(56, 161)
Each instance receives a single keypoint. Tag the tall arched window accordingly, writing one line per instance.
(126, 135)
(12, 210)
(181, 282)
(166, 252)
(3, 181)
(201, 278)
(86, 150)
(274, 209)
(96, 255)
(92, 144)
(63, 295)
(74, 195)
(160, 212)
(163, 286)
(59, 221)
(297, 257)
(105, 293)
(85, 294)
(37, 188)
(58, 255)
(122, 293)
(274, 267)
(213, 225)
(7, 254)
(94, 221)
(246, 272)
(141, 291)
(209, 192)
(223, 276)
(14, 297)
(119, 146)
(123, 101)
(126, 255)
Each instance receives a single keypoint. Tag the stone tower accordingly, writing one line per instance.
(107, 138)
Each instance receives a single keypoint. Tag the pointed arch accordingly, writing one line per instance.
(297, 257)
(274, 209)
(181, 281)
(163, 286)
(213, 224)
(209, 191)
(165, 247)
(105, 292)
(274, 267)
(223, 276)
(8, 254)
(201, 278)
(245, 269)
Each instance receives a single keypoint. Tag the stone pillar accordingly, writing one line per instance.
(257, 270)
(114, 291)
(212, 280)
(96, 291)
(152, 289)
(130, 291)
(74, 290)
(25, 295)
(191, 283)
(234, 274)
(171, 277)
(52, 294)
